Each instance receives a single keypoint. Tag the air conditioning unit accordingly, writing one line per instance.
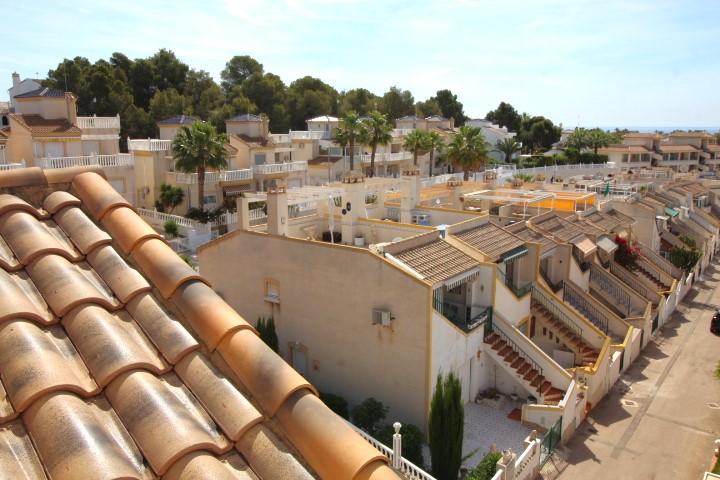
(381, 317)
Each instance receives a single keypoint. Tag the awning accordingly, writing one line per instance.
(237, 189)
(670, 211)
(586, 247)
(606, 245)
(513, 254)
(465, 277)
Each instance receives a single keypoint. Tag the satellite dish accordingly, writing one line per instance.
(397, 239)
(437, 201)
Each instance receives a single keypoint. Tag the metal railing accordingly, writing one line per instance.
(519, 292)
(98, 122)
(584, 265)
(660, 262)
(609, 285)
(549, 304)
(494, 328)
(550, 442)
(12, 166)
(554, 286)
(459, 317)
(576, 299)
(628, 279)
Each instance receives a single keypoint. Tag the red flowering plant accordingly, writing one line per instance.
(628, 252)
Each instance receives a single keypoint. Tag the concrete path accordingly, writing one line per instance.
(661, 419)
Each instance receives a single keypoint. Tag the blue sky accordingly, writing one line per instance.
(596, 63)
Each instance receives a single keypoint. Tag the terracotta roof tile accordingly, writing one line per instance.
(490, 239)
(602, 221)
(20, 299)
(74, 437)
(97, 195)
(230, 410)
(269, 457)
(9, 203)
(8, 261)
(66, 175)
(65, 285)
(308, 424)
(164, 419)
(7, 412)
(18, 459)
(210, 317)
(261, 370)
(199, 465)
(127, 228)
(22, 177)
(162, 329)
(36, 361)
(378, 470)
(123, 280)
(557, 227)
(111, 343)
(165, 269)
(84, 233)
(39, 125)
(30, 238)
(58, 200)
(521, 230)
(435, 261)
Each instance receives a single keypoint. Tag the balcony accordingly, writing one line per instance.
(12, 166)
(214, 177)
(310, 135)
(150, 145)
(385, 157)
(276, 168)
(86, 123)
(401, 132)
(467, 319)
(105, 161)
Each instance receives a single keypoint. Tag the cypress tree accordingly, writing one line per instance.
(446, 426)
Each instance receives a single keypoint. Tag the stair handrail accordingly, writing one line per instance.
(495, 328)
(575, 297)
(583, 264)
(554, 286)
(602, 278)
(628, 279)
(543, 299)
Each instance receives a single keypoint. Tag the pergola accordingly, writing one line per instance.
(525, 198)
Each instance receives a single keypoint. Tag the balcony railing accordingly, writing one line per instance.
(459, 317)
(546, 301)
(609, 285)
(385, 157)
(576, 299)
(519, 292)
(210, 177)
(274, 168)
(150, 145)
(554, 286)
(310, 135)
(115, 160)
(491, 327)
(98, 122)
(12, 166)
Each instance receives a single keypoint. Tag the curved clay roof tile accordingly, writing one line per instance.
(82, 231)
(269, 457)
(68, 174)
(127, 228)
(225, 404)
(23, 176)
(22, 301)
(267, 376)
(378, 470)
(123, 280)
(165, 269)
(75, 437)
(11, 202)
(29, 238)
(37, 361)
(7, 412)
(111, 343)
(65, 285)
(97, 194)
(165, 420)
(58, 200)
(324, 439)
(8, 261)
(164, 331)
(208, 314)
(18, 459)
(202, 464)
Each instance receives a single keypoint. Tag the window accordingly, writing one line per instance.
(210, 199)
(272, 290)
(118, 184)
(259, 159)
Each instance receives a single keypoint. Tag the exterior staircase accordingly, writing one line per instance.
(588, 354)
(527, 371)
(660, 286)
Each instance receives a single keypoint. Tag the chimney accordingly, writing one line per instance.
(354, 198)
(243, 213)
(277, 208)
(15, 79)
(455, 184)
(410, 191)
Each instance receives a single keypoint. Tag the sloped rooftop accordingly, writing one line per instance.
(527, 234)
(118, 360)
(39, 125)
(490, 239)
(553, 225)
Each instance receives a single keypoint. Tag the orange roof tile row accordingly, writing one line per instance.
(39, 125)
(102, 370)
(490, 239)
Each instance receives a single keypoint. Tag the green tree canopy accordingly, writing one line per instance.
(508, 147)
(197, 148)
(450, 107)
(237, 70)
(538, 133)
(397, 103)
(505, 115)
(468, 149)
(309, 97)
(269, 94)
(379, 132)
(435, 142)
(358, 100)
(349, 133)
(170, 197)
(428, 108)
(415, 142)
(446, 427)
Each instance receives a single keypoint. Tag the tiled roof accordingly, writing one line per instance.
(678, 148)
(557, 227)
(585, 227)
(255, 141)
(323, 160)
(522, 231)
(690, 135)
(490, 239)
(436, 118)
(410, 117)
(43, 92)
(246, 117)
(691, 187)
(118, 360)
(180, 120)
(436, 260)
(602, 221)
(626, 148)
(643, 135)
(43, 126)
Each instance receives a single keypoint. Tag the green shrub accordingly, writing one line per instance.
(266, 329)
(171, 228)
(445, 427)
(412, 442)
(336, 403)
(368, 414)
(486, 469)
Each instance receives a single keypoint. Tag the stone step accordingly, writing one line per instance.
(517, 363)
(511, 357)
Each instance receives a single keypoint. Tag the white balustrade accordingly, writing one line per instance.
(210, 177)
(115, 160)
(156, 218)
(150, 145)
(310, 135)
(12, 166)
(98, 122)
(280, 138)
(274, 168)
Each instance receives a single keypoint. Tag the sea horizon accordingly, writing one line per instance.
(664, 129)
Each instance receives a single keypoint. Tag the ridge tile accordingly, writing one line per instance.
(96, 193)
(83, 233)
(163, 267)
(269, 457)
(127, 228)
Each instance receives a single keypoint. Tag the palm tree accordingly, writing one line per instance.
(350, 131)
(508, 147)
(435, 141)
(379, 133)
(468, 149)
(598, 138)
(415, 141)
(199, 147)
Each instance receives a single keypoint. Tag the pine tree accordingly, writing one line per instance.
(445, 427)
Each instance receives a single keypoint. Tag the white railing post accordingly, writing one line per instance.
(397, 446)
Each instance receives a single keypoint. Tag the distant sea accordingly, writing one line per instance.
(715, 129)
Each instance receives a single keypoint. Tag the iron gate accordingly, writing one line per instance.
(550, 442)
